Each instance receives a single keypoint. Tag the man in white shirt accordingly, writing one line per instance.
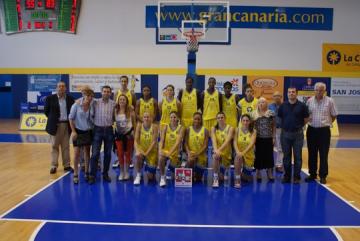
(322, 114)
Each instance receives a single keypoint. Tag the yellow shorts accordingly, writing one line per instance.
(208, 124)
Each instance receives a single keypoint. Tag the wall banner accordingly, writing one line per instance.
(77, 81)
(265, 86)
(259, 17)
(236, 82)
(346, 94)
(341, 57)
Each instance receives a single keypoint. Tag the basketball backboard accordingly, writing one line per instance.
(210, 17)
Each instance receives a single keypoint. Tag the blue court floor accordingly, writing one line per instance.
(258, 211)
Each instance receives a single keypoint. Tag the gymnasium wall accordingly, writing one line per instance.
(112, 39)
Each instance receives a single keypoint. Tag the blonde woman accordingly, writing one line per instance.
(170, 142)
(81, 130)
(265, 136)
(146, 140)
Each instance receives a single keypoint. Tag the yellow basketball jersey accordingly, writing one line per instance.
(248, 107)
(128, 95)
(211, 105)
(221, 136)
(146, 138)
(196, 141)
(167, 108)
(230, 110)
(189, 107)
(147, 107)
(243, 140)
(170, 140)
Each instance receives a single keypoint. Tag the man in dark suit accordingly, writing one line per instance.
(57, 109)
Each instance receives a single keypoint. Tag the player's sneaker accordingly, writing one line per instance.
(215, 183)
(162, 181)
(137, 179)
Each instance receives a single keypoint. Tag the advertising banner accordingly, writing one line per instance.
(77, 81)
(236, 82)
(260, 17)
(183, 177)
(346, 94)
(32, 122)
(265, 86)
(341, 57)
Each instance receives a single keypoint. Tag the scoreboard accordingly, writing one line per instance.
(41, 15)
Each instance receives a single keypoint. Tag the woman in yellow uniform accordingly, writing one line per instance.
(167, 105)
(249, 102)
(229, 107)
(124, 81)
(189, 98)
(170, 142)
(146, 103)
(221, 136)
(146, 136)
(196, 143)
(244, 141)
(212, 104)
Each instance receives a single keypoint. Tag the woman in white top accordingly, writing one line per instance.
(124, 134)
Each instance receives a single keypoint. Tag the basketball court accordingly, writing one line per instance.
(38, 206)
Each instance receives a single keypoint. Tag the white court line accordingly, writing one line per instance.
(33, 195)
(176, 225)
(36, 231)
(337, 235)
(333, 192)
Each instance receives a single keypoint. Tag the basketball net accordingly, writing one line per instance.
(192, 40)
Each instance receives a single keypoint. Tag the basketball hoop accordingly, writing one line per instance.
(192, 40)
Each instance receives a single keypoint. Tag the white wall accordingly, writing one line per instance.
(112, 33)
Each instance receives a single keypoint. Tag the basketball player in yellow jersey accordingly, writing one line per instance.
(167, 105)
(249, 102)
(170, 141)
(244, 141)
(146, 103)
(229, 107)
(196, 143)
(124, 81)
(190, 102)
(212, 104)
(146, 135)
(221, 136)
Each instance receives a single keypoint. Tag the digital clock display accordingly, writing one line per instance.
(38, 15)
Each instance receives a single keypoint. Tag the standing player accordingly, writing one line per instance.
(170, 142)
(190, 102)
(249, 102)
(212, 104)
(229, 107)
(124, 80)
(167, 105)
(146, 103)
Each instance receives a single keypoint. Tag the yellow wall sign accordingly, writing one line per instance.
(32, 122)
(341, 57)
